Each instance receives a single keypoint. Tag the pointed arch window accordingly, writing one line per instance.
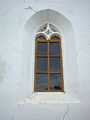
(48, 64)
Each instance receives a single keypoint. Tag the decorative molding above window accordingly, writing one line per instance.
(48, 30)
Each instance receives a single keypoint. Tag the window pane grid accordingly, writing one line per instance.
(49, 73)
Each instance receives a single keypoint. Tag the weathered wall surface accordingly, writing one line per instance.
(14, 14)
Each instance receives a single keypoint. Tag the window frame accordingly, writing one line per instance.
(48, 57)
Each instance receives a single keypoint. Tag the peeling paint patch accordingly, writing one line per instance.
(30, 8)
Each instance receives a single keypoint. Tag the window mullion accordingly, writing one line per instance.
(48, 67)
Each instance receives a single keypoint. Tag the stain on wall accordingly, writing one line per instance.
(2, 70)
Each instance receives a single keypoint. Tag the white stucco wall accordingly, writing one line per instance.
(14, 51)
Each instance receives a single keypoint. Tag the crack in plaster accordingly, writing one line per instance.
(65, 114)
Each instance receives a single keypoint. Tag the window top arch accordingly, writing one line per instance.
(40, 37)
(55, 37)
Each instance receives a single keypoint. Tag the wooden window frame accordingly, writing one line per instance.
(48, 57)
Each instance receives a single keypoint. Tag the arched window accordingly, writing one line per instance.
(48, 62)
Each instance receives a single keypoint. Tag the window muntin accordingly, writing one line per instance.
(48, 65)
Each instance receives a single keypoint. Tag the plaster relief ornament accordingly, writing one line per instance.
(48, 30)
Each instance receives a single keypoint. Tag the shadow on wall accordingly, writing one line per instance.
(2, 70)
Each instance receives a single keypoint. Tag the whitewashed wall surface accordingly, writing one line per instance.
(19, 20)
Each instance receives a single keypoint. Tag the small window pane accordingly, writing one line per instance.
(41, 64)
(55, 65)
(42, 48)
(55, 38)
(54, 49)
(41, 81)
(40, 38)
(55, 82)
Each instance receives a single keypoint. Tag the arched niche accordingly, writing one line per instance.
(70, 68)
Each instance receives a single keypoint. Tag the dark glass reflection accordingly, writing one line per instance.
(41, 65)
(41, 81)
(55, 65)
(55, 38)
(54, 49)
(55, 82)
(42, 48)
(40, 38)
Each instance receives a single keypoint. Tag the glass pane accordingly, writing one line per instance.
(55, 65)
(55, 37)
(54, 49)
(55, 82)
(41, 65)
(41, 81)
(40, 38)
(41, 48)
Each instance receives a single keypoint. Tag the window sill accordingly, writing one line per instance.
(49, 98)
